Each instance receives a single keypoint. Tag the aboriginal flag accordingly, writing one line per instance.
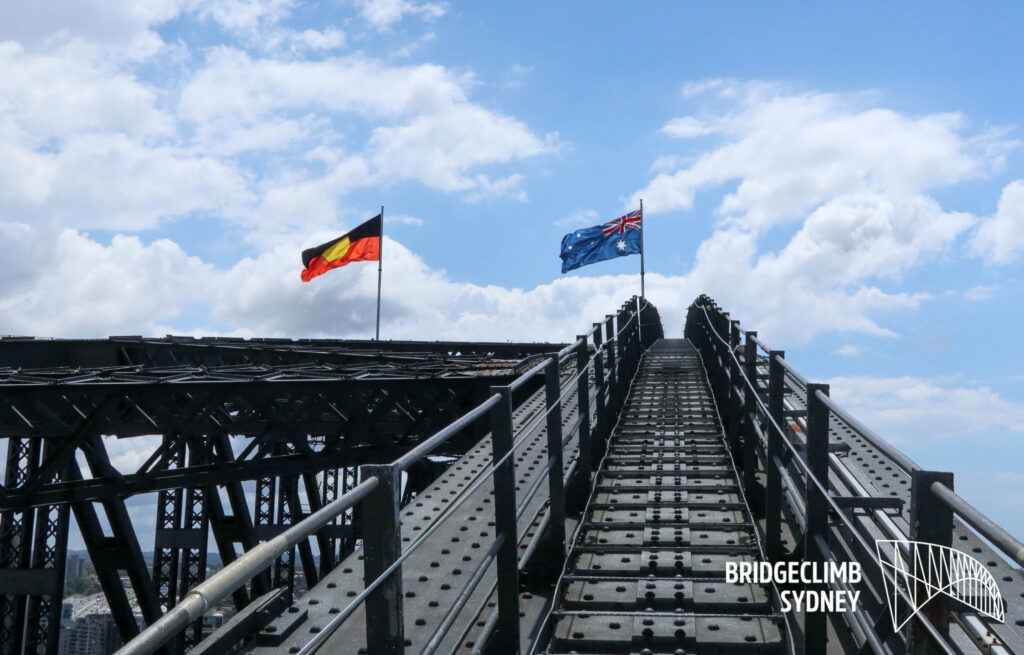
(359, 245)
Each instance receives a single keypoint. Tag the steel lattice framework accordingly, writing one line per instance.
(294, 418)
(597, 495)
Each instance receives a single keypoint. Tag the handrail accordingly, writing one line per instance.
(259, 558)
(792, 371)
(820, 486)
(760, 344)
(237, 573)
(1012, 549)
(869, 435)
(430, 445)
(985, 526)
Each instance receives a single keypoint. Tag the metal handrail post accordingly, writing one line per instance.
(735, 407)
(556, 484)
(750, 356)
(930, 521)
(382, 545)
(600, 431)
(747, 426)
(773, 476)
(816, 623)
(584, 459)
(612, 340)
(505, 522)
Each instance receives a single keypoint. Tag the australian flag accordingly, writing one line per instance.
(606, 241)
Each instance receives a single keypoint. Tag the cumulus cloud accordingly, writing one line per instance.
(1000, 238)
(909, 409)
(843, 182)
(71, 285)
(118, 28)
(980, 293)
(384, 13)
(792, 151)
(264, 295)
(686, 127)
(431, 132)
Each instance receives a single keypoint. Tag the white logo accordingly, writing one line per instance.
(925, 570)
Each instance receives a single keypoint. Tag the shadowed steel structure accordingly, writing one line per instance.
(485, 498)
(292, 420)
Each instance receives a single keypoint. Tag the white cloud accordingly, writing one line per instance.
(979, 293)
(1001, 237)
(384, 13)
(132, 287)
(438, 148)
(264, 294)
(516, 75)
(55, 96)
(245, 17)
(403, 219)
(579, 218)
(114, 182)
(852, 177)
(848, 350)
(908, 409)
(329, 39)
(791, 152)
(687, 127)
(67, 284)
(119, 28)
(427, 129)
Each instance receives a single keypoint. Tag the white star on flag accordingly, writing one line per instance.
(621, 245)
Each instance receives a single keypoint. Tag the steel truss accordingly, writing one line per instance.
(294, 418)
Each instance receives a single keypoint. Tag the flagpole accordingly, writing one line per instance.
(380, 266)
(642, 248)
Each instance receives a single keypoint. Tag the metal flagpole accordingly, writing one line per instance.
(380, 265)
(642, 248)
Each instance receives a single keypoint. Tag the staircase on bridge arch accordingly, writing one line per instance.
(497, 499)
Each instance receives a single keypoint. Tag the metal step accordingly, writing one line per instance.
(646, 573)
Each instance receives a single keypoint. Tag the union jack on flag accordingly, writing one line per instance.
(587, 245)
(632, 219)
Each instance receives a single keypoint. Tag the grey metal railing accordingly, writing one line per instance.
(757, 424)
(609, 352)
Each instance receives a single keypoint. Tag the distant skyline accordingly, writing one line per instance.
(847, 180)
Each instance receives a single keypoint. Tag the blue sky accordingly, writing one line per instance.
(846, 179)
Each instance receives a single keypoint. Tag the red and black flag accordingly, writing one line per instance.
(360, 245)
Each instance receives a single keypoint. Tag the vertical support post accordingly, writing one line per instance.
(735, 409)
(584, 461)
(930, 521)
(166, 555)
(815, 623)
(750, 358)
(16, 528)
(382, 544)
(614, 374)
(600, 431)
(195, 520)
(556, 483)
(49, 552)
(773, 459)
(747, 421)
(505, 522)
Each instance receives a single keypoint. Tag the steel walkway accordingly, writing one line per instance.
(646, 573)
(622, 478)
(433, 576)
